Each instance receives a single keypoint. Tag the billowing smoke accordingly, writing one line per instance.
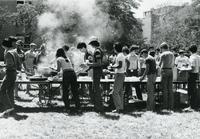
(71, 21)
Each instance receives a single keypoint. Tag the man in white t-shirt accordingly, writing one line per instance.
(120, 69)
(193, 76)
(181, 60)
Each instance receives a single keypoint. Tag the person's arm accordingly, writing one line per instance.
(145, 72)
(118, 66)
(128, 64)
(58, 66)
(176, 61)
(161, 60)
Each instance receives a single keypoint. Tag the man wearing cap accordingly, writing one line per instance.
(97, 73)
(167, 64)
(12, 63)
(29, 59)
(29, 62)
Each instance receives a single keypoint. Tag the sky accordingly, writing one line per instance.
(146, 5)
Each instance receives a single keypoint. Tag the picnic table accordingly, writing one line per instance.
(107, 83)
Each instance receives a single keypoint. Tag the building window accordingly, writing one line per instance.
(20, 2)
(24, 1)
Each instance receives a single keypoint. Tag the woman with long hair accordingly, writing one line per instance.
(69, 78)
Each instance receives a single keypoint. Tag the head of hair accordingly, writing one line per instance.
(7, 43)
(81, 45)
(12, 38)
(150, 48)
(152, 53)
(133, 48)
(181, 52)
(65, 47)
(125, 50)
(60, 53)
(144, 51)
(19, 42)
(193, 48)
(158, 49)
(118, 47)
(94, 43)
(164, 45)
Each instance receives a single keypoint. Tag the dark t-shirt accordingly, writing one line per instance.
(152, 65)
(97, 58)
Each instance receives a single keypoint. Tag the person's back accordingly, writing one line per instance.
(152, 65)
(167, 60)
(65, 63)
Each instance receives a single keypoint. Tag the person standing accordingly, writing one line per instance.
(181, 61)
(167, 65)
(13, 65)
(134, 70)
(193, 76)
(20, 52)
(29, 63)
(69, 78)
(150, 72)
(29, 59)
(97, 73)
(120, 66)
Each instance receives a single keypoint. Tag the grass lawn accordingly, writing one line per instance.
(38, 123)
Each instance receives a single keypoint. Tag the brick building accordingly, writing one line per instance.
(155, 18)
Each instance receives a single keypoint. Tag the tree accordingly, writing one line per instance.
(179, 27)
(4, 16)
(26, 17)
(121, 12)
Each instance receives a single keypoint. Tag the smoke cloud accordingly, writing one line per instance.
(71, 21)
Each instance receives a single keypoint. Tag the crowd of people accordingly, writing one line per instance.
(124, 62)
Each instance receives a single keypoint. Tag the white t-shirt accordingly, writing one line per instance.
(181, 61)
(134, 61)
(64, 64)
(29, 58)
(195, 62)
(122, 58)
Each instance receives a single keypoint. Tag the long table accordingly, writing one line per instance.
(85, 80)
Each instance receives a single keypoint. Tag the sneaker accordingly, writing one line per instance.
(116, 111)
(189, 109)
(7, 113)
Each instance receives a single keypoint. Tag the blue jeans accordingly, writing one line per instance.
(151, 79)
(7, 90)
(167, 88)
(192, 90)
(118, 93)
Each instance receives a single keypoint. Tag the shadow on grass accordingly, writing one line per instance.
(110, 116)
(23, 100)
(19, 117)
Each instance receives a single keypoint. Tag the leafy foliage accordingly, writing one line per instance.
(121, 12)
(26, 17)
(5, 16)
(180, 27)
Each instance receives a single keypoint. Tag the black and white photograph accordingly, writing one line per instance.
(99, 69)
